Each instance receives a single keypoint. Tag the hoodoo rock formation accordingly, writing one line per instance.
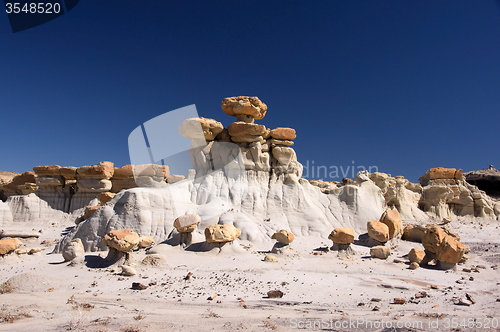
(247, 176)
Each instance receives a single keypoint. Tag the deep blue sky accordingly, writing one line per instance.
(404, 86)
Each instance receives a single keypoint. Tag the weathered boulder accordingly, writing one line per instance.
(283, 237)
(154, 260)
(287, 134)
(244, 108)
(450, 250)
(200, 128)
(270, 258)
(284, 155)
(381, 252)
(123, 240)
(416, 255)
(9, 245)
(240, 129)
(221, 233)
(342, 235)
(346, 181)
(392, 219)
(146, 241)
(187, 223)
(128, 271)
(73, 249)
(413, 233)
(433, 237)
(378, 231)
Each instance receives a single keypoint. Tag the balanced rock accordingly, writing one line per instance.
(200, 128)
(73, 249)
(381, 252)
(187, 223)
(378, 231)
(342, 236)
(9, 245)
(287, 134)
(123, 240)
(221, 233)
(392, 219)
(244, 108)
(416, 255)
(283, 237)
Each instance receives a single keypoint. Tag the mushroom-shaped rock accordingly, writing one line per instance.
(287, 134)
(244, 108)
(9, 245)
(73, 249)
(187, 223)
(342, 236)
(381, 252)
(123, 240)
(221, 233)
(392, 219)
(200, 128)
(416, 255)
(283, 237)
(378, 231)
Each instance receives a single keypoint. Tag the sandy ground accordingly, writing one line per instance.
(322, 292)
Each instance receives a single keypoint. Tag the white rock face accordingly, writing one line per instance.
(270, 204)
(5, 214)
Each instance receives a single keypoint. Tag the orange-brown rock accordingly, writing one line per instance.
(283, 237)
(22, 184)
(243, 105)
(346, 181)
(105, 197)
(433, 237)
(89, 211)
(103, 170)
(146, 241)
(221, 233)
(416, 255)
(283, 134)
(342, 235)
(51, 170)
(123, 240)
(245, 129)
(9, 245)
(124, 172)
(440, 173)
(378, 231)
(187, 223)
(450, 250)
(392, 219)
(413, 233)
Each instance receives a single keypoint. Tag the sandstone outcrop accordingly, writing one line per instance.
(416, 255)
(444, 244)
(246, 109)
(487, 180)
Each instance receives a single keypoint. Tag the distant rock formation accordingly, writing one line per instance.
(487, 180)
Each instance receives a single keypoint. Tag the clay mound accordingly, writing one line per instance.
(31, 282)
